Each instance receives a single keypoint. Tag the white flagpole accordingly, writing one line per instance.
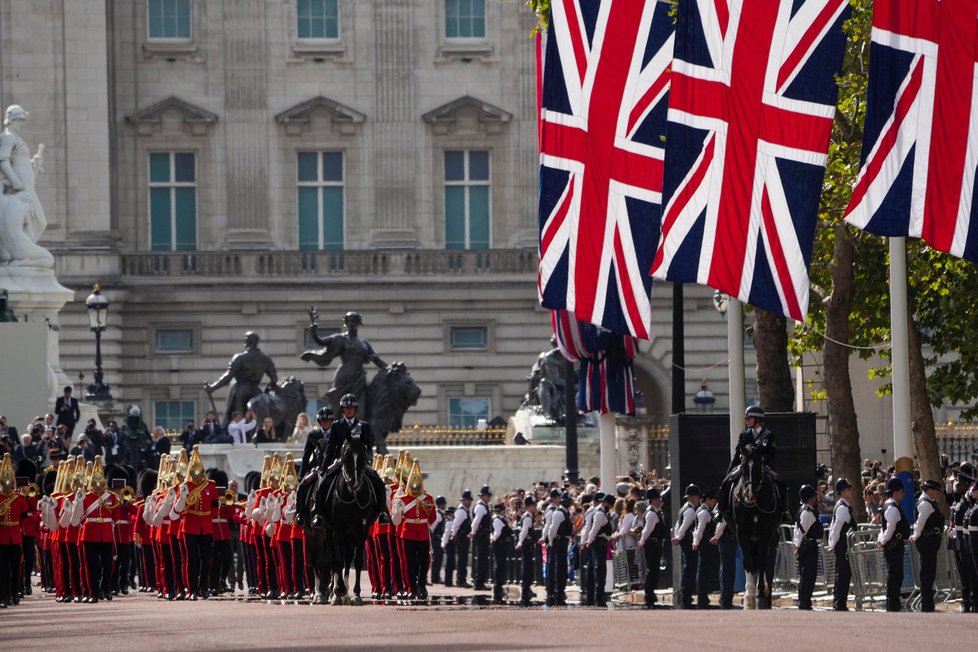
(609, 455)
(735, 368)
(900, 358)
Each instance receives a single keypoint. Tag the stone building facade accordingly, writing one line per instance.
(222, 166)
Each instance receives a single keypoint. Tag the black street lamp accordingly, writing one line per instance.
(98, 308)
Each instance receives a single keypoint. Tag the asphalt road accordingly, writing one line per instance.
(141, 622)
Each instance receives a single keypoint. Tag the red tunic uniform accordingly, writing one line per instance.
(201, 506)
(31, 526)
(418, 515)
(13, 512)
(222, 516)
(125, 518)
(98, 517)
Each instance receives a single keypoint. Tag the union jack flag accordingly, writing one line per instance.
(920, 147)
(750, 116)
(602, 123)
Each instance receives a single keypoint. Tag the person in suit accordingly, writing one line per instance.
(66, 407)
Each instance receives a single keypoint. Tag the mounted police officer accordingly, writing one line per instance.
(754, 436)
(654, 534)
(928, 534)
(894, 530)
(347, 428)
(807, 534)
(842, 522)
(312, 460)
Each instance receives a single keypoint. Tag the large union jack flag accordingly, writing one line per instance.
(603, 113)
(750, 116)
(920, 148)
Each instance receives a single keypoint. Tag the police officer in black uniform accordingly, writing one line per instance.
(448, 545)
(501, 540)
(654, 533)
(971, 544)
(843, 521)
(437, 532)
(682, 536)
(312, 458)
(481, 527)
(928, 534)
(462, 527)
(807, 534)
(525, 544)
(895, 528)
(560, 533)
(598, 536)
(959, 508)
(708, 565)
(755, 435)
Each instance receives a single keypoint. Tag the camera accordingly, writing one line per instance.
(37, 430)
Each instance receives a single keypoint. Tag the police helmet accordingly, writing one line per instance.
(693, 490)
(841, 485)
(528, 500)
(555, 493)
(324, 414)
(806, 493)
(754, 411)
(467, 495)
(440, 500)
(893, 484)
(349, 400)
(653, 494)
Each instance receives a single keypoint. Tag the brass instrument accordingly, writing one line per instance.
(229, 498)
(32, 490)
(127, 494)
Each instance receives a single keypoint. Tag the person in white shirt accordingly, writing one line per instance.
(448, 545)
(500, 538)
(589, 504)
(654, 533)
(842, 522)
(239, 427)
(682, 536)
(892, 539)
(437, 532)
(928, 534)
(525, 544)
(599, 534)
(461, 527)
(806, 536)
(708, 564)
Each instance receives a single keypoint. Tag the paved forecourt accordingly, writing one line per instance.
(141, 622)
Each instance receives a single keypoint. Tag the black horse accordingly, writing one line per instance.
(354, 503)
(756, 506)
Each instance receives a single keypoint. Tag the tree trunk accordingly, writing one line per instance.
(844, 429)
(922, 417)
(777, 392)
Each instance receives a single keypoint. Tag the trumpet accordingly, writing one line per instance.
(229, 497)
(126, 494)
(32, 490)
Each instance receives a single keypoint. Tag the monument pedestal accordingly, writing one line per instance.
(36, 298)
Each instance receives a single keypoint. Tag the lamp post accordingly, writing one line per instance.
(704, 398)
(98, 308)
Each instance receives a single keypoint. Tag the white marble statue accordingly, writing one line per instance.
(22, 218)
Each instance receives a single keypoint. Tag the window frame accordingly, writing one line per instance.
(320, 184)
(183, 419)
(194, 338)
(455, 348)
(464, 39)
(451, 399)
(467, 184)
(319, 39)
(170, 39)
(172, 185)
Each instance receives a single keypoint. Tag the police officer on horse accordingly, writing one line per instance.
(757, 437)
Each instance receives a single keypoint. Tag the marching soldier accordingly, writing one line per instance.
(221, 554)
(683, 537)
(461, 527)
(437, 532)
(654, 534)
(500, 539)
(892, 539)
(412, 514)
(598, 536)
(124, 517)
(481, 525)
(526, 544)
(174, 529)
(842, 522)
(26, 475)
(928, 534)
(807, 533)
(94, 511)
(13, 513)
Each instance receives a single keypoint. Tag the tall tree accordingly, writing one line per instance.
(775, 388)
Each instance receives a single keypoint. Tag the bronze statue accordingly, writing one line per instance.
(353, 352)
(245, 373)
(547, 384)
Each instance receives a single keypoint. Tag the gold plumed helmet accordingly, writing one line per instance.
(87, 475)
(415, 483)
(378, 462)
(398, 464)
(8, 480)
(183, 463)
(196, 465)
(266, 466)
(65, 470)
(275, 470)
(78, 477)
(290, 481)
(96, 481)
(406, 468)
(387, 469)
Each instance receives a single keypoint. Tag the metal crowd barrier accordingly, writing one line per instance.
(625, 569)
(868, 568)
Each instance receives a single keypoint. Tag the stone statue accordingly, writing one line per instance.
(22, 218)
(353, 352)
(6, 314)
(547, 384)
(245, 373)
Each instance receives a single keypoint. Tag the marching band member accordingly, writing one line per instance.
(13, 513)
(221, 556)
(178, 546)
(93, 510)
(413, 513)
(194, 508)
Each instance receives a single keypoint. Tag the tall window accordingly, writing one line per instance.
(466, 412)
(173, 201)
(320, 177)
(467, 199)
(465, 18)
(169, 19)
(173, 415)
(318, 19)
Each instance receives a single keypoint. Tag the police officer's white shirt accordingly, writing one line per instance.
(481, 511)
(687, 517)
(588, 520)
(703, 518)
(547, 518)
(924, 509)
(497, 528)
(555, 521)
(526, 524)
(447, 534)
(461, 515)
(805, 521)
(839, 518)
(892, 515)
(721, 527)
(598, 520)
(439, 517)
(651, 520)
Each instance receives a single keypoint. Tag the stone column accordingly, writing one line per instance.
(395, 127)
(246, 123)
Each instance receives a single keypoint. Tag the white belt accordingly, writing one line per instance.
(99, 520)
(122, 522)
(416, 520)
(219, 520)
